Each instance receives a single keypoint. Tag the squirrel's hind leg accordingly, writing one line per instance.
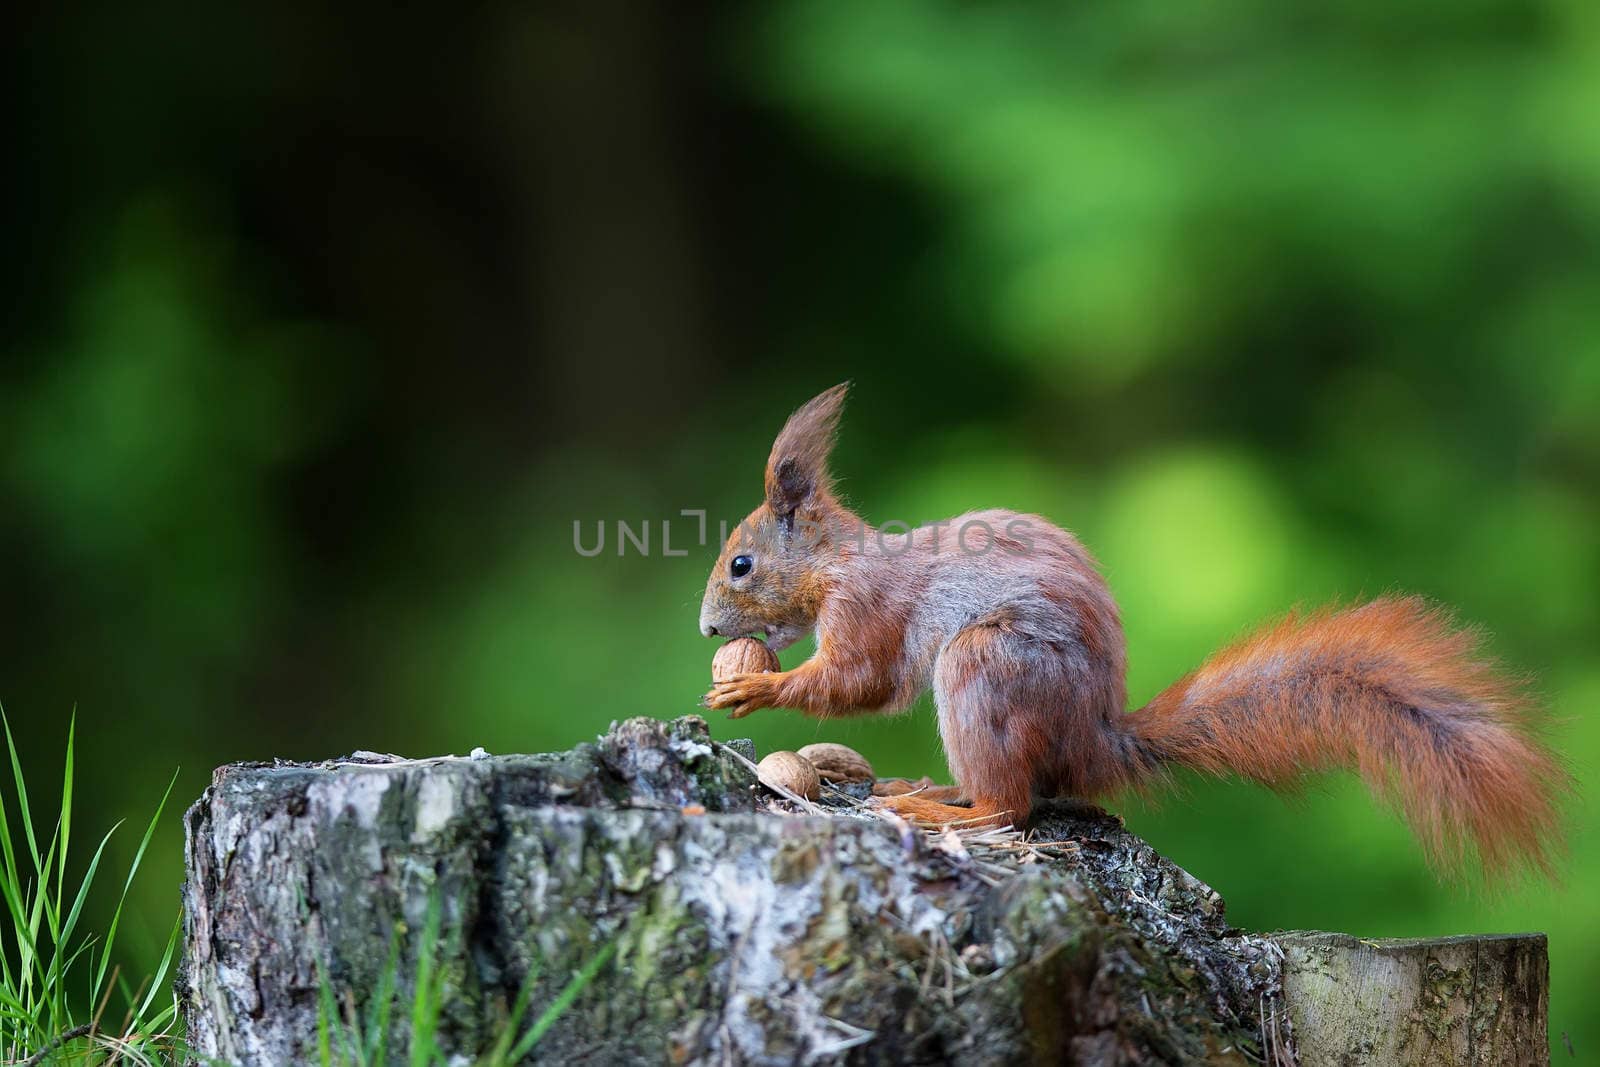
(999, 695)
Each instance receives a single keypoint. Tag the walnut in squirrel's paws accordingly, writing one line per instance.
(742, 655)
(739, 677)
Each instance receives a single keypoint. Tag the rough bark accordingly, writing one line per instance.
(744, 930)
(1446, 1001)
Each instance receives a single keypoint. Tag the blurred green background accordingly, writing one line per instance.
(325, 323)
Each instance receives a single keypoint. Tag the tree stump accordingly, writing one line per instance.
(1448, 1000)
(723, 925)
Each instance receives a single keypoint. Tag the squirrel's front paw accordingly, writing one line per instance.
(743, 693)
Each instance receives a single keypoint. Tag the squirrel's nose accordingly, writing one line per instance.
(707, 630)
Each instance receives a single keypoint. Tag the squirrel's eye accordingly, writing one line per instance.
(740, 566)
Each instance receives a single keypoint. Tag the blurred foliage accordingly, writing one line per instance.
(327, 323)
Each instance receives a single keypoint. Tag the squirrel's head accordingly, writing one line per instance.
(774, 571)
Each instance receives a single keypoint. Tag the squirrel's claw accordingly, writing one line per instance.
(743, 693)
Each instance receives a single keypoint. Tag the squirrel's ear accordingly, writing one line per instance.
(798, 466)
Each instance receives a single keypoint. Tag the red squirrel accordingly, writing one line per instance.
(1007, 618)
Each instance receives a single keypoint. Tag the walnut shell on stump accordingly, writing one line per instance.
(791, 771)
(742, 655)
(838, 763)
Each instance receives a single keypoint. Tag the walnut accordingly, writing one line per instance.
(742, 655)
(791, 771)
(838, 763)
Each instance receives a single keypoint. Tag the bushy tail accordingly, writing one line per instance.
(1391, 688)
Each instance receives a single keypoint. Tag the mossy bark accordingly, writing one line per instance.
(740, 935)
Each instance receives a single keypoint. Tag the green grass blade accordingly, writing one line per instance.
(17, 907)
(41, 945)
(60, 935)
(569, 993)
(5, 823)
(65, 825)
(63, 937)
(382, 1003)
(22, 791)
(72, 958)
(12, 885)
(22, 788)
(159, 981)
(133, 869)
(41, 904)
(424, 1003)
(326, 1014)
(25, 908)
(500, 1055)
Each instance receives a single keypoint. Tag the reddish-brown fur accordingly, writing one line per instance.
(1392, 689)
(1022, 646)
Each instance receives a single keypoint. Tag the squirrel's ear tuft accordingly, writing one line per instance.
(798, 467)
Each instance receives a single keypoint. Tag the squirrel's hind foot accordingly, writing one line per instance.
(918, 809)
